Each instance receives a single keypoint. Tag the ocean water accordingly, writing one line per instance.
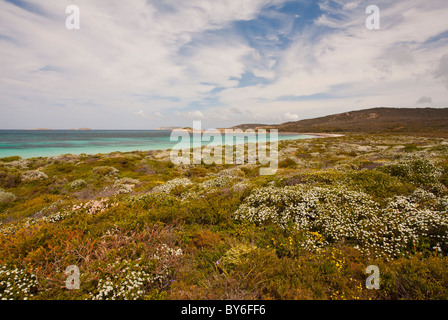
(48, 143)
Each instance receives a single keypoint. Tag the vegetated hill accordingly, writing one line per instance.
(251, 126)
(375, 120)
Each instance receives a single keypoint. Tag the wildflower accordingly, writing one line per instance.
(334, 214)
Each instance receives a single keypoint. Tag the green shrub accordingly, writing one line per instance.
(10, 159)
(77, 184)
(60, 168)
(196, 172)
(10, 179)
(33, 175)
(418, 278)
(6, 197)
(411, 148)
(329, 177)
(378, 184)
(287, 163)
(105, 170)
(420, 172)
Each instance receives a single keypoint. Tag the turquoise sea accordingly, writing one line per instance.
(48, 143)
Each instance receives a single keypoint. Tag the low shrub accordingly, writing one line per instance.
(17, 284)
(10, 179)
(77, 184)
(336, 214)
(287, 163)
(379, 184)
(33, 175)
(6, 197)
(420, 172)
(10, 159)
(105, 171)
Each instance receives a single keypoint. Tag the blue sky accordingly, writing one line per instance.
(143, 64)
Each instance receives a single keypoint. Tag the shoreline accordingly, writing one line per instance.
(111, 153)
(314, 134)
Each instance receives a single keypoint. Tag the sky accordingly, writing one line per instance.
(143, 64)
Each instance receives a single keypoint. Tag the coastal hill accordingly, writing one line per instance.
(375, 120)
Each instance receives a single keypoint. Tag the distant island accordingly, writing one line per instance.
(191, 130)
(166, 128)
(48, 129)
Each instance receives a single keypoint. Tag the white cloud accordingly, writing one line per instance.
(148, 116)
(139, 62)
(126, 54)
(352, 5)
(219, 63)
(291, 116)
(142, 113)
(358, 68)
(191, 115)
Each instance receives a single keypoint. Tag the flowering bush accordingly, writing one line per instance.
(17, 284)
(126, 280)
(223, 178)
(125, 185)
(94, 206)
(215, 182)
(421, 172)
(241, 186)
(56, 217)
(132, 280)
(32, 175)
(163, 252)
(34, 221)
(77, 184)
(172, 184)
(418, 220)
(128, 181)
(231, 173)
(343, 215)
(20, 164)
